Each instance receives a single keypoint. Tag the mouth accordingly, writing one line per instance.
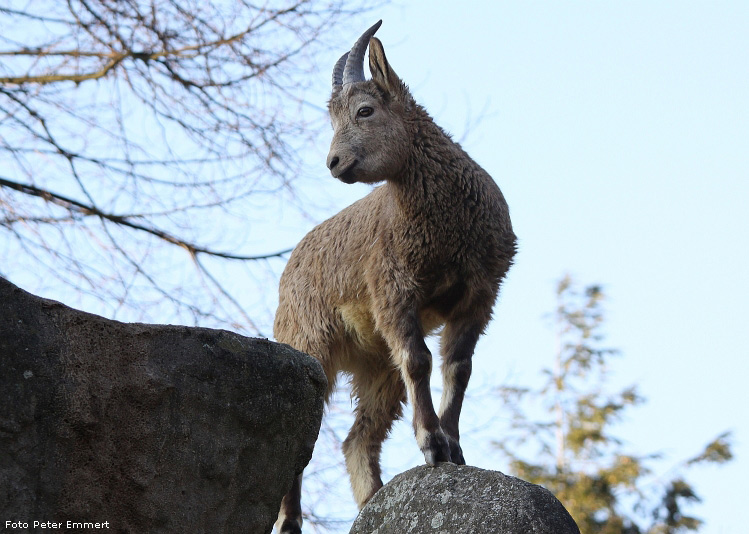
(346, 174)
(347, 178)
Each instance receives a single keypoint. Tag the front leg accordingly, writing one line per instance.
(405, 338)
(415, 362)
(458, 342)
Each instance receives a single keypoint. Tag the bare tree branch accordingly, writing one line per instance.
(134, 131)
(88, 210)
(129, 130)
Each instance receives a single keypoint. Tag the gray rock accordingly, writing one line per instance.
(451, 499)
(149, 428)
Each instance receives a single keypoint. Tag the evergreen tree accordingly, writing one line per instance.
(576, 457)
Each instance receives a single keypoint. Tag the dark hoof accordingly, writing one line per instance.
(290, 526)
(437, 449)
(456, 453)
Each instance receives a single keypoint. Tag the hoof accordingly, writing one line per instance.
(456, 453)
(436, 450)
(290, 526)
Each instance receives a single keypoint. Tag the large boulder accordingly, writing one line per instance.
(452, 499)
(149, 428)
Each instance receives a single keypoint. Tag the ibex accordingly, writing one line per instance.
(427, 249)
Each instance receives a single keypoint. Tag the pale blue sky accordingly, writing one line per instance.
(619, 133)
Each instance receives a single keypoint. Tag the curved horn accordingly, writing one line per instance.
(354, 69)
(338, 70)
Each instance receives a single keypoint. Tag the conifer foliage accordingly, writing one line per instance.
(562, 436)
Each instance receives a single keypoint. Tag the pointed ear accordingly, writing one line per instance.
(382, 73)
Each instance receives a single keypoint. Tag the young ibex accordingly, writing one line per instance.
(429, 248)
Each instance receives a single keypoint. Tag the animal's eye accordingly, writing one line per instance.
(365, 111)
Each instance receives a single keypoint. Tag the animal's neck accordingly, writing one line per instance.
(439, 173)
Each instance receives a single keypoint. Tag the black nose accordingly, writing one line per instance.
(333, 162)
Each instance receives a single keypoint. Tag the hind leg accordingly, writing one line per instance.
(458, 342)
(380, 399)
(290, 515)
